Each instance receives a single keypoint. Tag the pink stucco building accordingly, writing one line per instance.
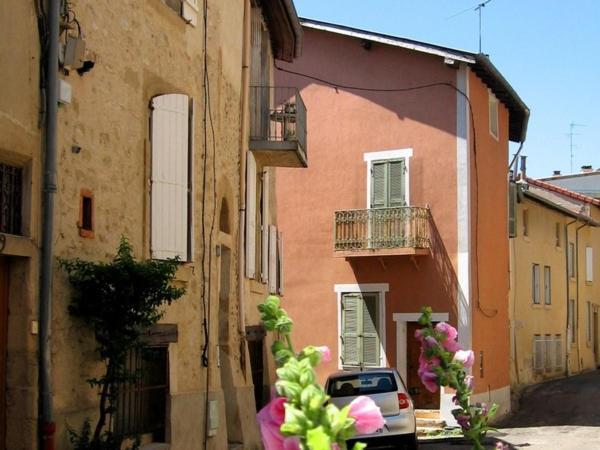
(404, 203)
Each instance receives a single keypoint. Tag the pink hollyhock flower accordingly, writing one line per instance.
(366, 414)
(464, 421)
(429, 380)
(270, 419)
(325, 353)
(419, 335)
(465, 357)
(469, 381)
(430, 341)
(451, 334)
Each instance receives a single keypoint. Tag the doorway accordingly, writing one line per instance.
(422, 398)
(3, 344)
(595, 335)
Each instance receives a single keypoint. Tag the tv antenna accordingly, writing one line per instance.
(571, 133)
(478, 7)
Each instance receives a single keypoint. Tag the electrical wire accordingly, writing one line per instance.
(337, 86)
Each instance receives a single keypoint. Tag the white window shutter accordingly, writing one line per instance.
(272, 259)
(189, 11)
(589, 264)
(169, 178)
(280, 278)
(264, 253)
(250, 216)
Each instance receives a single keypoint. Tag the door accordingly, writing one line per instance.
(360, 330)
(595, 337)
(388, 224)
(3, 341)
(422, 397)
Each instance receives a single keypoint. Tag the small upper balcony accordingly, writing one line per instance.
(382, 232)
(277, 126)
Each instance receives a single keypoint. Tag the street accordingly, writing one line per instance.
(556, 415)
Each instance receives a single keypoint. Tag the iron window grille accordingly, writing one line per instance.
(11, 195)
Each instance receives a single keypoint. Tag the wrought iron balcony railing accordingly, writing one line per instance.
(371, 230)
(278, 125)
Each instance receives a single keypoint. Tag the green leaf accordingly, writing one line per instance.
(318, 439)
(359, 446)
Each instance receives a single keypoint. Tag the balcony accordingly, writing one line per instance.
(382, 232)
(277, 126)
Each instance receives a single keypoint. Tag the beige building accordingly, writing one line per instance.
(555, 290)
(158, 136)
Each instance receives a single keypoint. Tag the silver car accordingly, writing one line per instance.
(386, 388)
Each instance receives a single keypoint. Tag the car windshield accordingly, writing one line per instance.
(362, 384)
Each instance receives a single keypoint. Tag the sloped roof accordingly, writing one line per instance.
(479, 63)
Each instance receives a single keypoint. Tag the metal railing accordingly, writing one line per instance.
(277, 114)
(382, 228)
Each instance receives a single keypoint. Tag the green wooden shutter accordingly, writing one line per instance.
(370, 335)
(397, 195)
(350, 329)
(378, 185)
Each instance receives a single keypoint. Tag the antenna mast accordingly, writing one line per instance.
(572, 126)
(478, 9)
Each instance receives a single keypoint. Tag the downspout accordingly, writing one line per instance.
(577, 292)
(242, 193)
(568, 346)
(47, 426)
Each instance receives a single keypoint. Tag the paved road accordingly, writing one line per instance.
(555, 415)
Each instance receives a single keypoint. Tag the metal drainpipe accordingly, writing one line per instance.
(568, 344)
(577, 291)
(47, 424)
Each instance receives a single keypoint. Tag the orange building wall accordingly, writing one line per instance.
(342, 126)
(489, 243)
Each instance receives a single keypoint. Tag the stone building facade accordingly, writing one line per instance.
(153, 136)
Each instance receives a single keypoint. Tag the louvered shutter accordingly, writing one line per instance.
(397, 195)
(250, 215)
(350, 329)
(370, 336)
(589, 264)
(170, 176)
(538, 353)
(558, 352)
(378, 185)
(272, 259)
(264, 253)
(280, 263)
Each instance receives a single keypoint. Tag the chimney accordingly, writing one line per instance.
(556, 173)
(586, 169)
(523, 167)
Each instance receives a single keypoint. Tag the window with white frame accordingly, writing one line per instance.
(535, 283)
(547, 353)
(360, 329)
(493, 115)
(187, 9)
(589, 264)
(171, 176)
(588, 321)
(388, 178)
(547, 285)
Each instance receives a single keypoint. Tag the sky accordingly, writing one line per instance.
(549, 51)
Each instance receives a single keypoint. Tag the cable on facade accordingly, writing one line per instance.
(337, 86)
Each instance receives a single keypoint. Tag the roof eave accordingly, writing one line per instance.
(284, 28)
(561, 209)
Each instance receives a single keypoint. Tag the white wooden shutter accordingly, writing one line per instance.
(264, 253)
(250, 215)
(558, 352)
(589, 264)
(549, 352)
(370, 335)
(280, 278)
(397, 195)
(170, 176)
(272, 259)
(378, 187)
(189, 11)
(538, 353)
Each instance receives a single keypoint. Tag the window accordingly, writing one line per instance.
(538, 353)
(547, 286)
(388, 183)
(547, 353)
(171, 177)
(557, 233)
(493, 115)
(559, 357)
(142, 404)
(187, 9)
(571, 260)
(535, 283)
(11, 192)
(588, 321)
(571, 321)
(86, 214)
(360, 330)
(512, 209)
(589, 264)
(525, 222)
